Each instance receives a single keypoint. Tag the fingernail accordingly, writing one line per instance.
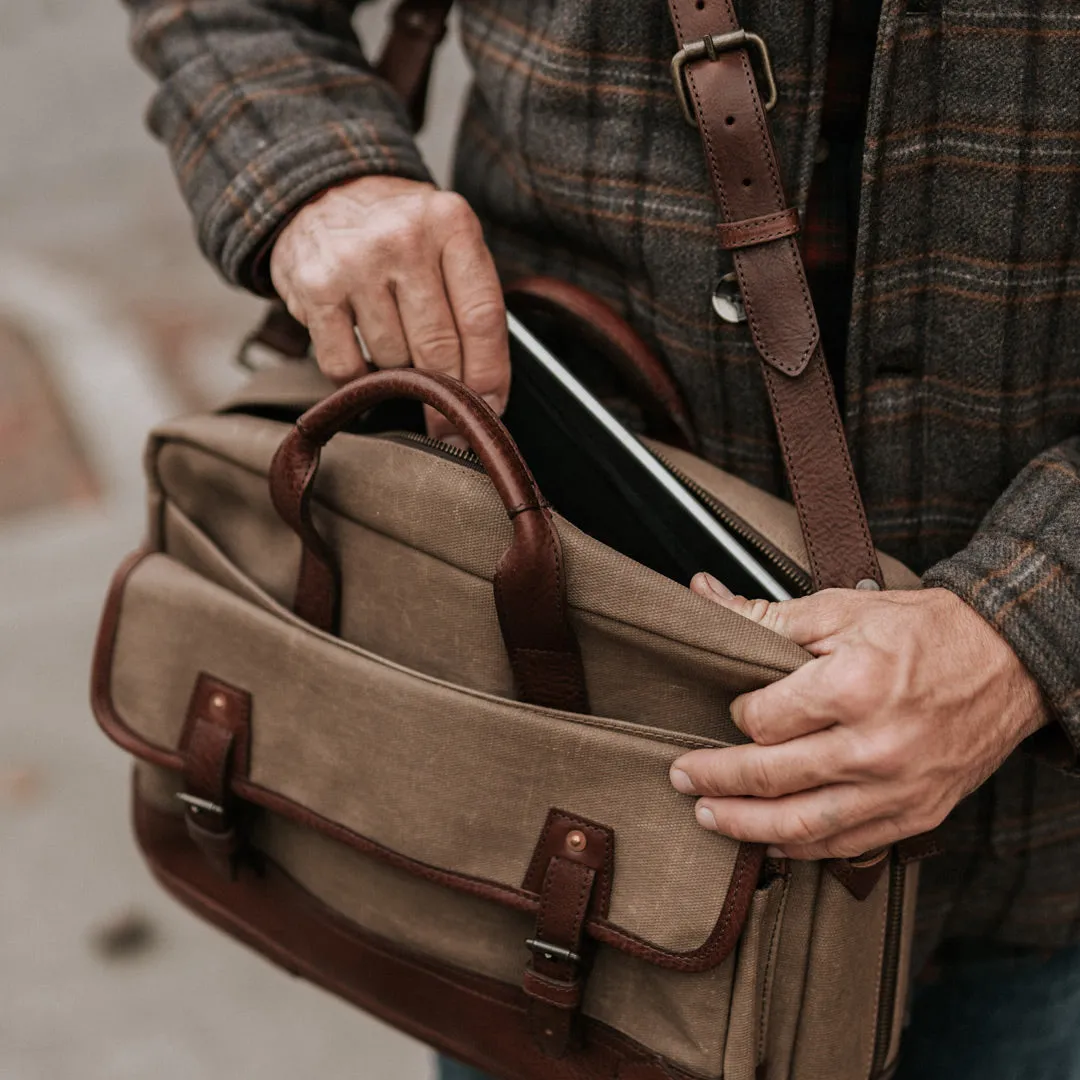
(717, 588)
(495, 401)
(681, 781)
(705, 817)
(775, 853)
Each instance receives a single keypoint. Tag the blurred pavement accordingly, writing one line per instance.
(109, 320)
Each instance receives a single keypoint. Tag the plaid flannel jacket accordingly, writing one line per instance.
(963, 363)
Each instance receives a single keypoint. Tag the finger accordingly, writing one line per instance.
(795, 706)
(430, 330)
(800, 820)
(476, 299)
(763, 771)
(333, 338)
(807, 620)
(431, 333)
(850, 844)
(379, 324)
(706, 585)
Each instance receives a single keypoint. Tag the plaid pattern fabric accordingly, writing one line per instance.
(962, 375)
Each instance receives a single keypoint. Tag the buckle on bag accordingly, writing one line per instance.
(552, 952)
(710, 48)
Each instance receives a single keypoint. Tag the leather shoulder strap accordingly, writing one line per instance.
(715, 78)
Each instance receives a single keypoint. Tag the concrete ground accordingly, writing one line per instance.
(108, 321)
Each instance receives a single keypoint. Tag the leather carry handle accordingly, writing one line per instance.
(649, 383)
(530, 583)
(716, 78)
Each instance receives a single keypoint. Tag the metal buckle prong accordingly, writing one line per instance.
(198, 804)
(710, 48)
(552, 952)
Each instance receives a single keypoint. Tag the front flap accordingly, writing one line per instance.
(448, 783)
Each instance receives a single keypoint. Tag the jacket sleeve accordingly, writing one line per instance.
(262, 104)
(1021, 572)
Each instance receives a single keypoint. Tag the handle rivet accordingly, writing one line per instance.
(217, 702)
(576, 841)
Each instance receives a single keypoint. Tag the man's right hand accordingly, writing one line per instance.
(406, 265)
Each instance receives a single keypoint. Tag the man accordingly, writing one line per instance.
(942, 250)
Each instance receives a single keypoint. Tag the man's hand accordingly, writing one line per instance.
(910, 703)
(406, 265)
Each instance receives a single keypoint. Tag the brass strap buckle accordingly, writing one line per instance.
(710, 48)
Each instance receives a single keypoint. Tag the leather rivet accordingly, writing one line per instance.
(868, 585)
(217, 701)
(576, 840)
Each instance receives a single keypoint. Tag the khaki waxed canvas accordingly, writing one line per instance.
(404, 731)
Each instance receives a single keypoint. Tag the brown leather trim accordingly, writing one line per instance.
(747, 184)
(530, 585)
(859, 876)
(713, 951)
(917, 848)
(649, 383)
(475, 1019)
(759, 230)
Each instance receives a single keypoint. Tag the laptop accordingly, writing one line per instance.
(596, 473)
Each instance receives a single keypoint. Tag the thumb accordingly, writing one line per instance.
(804, 620)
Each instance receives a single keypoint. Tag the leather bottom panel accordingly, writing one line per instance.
(477, 1020)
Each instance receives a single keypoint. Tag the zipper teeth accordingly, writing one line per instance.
(786, 566)
(466, 457)
(891, 968)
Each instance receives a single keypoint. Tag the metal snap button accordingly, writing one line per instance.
(868, 585)
(727, 301)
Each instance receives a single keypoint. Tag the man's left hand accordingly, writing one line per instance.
(911, 701)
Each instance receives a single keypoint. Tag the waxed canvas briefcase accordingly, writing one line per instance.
(406, 731)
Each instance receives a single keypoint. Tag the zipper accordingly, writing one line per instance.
(890, 972)
(436, 446)
(788, 568)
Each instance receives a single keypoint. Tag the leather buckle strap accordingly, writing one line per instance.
(731, 119)
(214, 743)
(709, 48)
(571, 871)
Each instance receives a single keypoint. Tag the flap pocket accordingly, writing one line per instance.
(445, 782)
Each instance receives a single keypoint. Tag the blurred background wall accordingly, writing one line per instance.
(109, 321)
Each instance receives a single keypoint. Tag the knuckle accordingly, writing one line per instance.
(881, 754)
(448, 208)
(485, 318)
(752, 720)
(760, 778)
(439, 349)
(318, 280)
(798, 828)
(762, 611)
(857, 688)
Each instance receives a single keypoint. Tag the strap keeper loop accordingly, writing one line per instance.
(759, 230)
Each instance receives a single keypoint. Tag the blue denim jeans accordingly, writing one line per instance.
(990, 1012)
